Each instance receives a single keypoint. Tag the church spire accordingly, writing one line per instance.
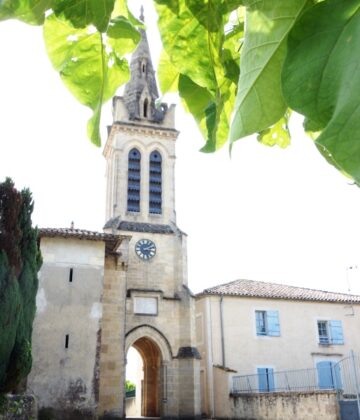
(141, 17)
(141, 91)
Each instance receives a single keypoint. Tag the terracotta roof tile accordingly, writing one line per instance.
(111, 241)
(117, 223)
(259, 289)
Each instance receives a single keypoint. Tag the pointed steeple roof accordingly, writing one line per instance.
(141, 91)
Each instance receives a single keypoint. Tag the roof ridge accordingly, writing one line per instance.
(63, 229)
(75, 232)
(271, 290)
(304, 288)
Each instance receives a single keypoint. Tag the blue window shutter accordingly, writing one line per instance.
(271, 384)
(262, 376)
(337, 375)
(325, 375)
(266, 379)
(273, 324)
(336, 332)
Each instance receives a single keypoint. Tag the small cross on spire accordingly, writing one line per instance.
(141, 17)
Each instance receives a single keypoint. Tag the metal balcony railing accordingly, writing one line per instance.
(299, 380)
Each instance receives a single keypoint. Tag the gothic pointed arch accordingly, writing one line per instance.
(153, 381)
(152, 333)
(155, 182)
(134, 179)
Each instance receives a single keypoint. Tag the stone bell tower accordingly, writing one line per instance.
(157, 308)
(140, 151)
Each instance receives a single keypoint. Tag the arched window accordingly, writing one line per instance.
(133, 197)
(155, 183)
(145, 108)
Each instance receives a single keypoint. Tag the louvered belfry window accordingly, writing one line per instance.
(133, 198)
(155, 193)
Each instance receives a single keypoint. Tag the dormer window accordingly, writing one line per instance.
(155, 183)
(145, 108)
(133, 197)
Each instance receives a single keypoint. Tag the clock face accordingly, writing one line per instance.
(145, 249)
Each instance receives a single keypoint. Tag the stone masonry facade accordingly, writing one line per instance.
(102, 293)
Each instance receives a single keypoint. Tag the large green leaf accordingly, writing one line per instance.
(231, 49)
(278, 134)
(122, 36)
(218, 117)
(320, 79)
(29, 11)
(207, 64)
(196, 100)
(82, 13)
(176, 29)
(259, 102)
(121, 8)
(167, 74)
(88, 65)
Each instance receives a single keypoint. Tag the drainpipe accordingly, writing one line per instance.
(222, 330)
(210, 374)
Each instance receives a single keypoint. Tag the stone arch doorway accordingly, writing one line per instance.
(156, 354)
(151, 381)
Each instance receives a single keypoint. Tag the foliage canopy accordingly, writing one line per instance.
(240, 66)
(20, 261)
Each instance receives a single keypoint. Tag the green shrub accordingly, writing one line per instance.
(129, 386)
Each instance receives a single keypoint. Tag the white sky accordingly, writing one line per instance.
(265, 214)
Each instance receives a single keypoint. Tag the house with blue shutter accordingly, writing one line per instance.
(264, 334)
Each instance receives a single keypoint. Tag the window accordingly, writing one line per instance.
(323, 332)
(133, 198)
(266, 379)
(67, 341)
(143, 67)
(267, 323)
(71, 272)
(155, 183)
(145, 108)
(330, 332)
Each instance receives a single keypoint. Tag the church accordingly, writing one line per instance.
(223, 353)
(101, 293)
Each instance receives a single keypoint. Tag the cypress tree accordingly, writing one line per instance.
(20, 261)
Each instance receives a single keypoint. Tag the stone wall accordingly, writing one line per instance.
(315, 405)
(130, 407)
(67, 325)
(18, 407)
